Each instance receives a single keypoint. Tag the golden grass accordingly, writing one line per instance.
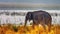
(11, 29)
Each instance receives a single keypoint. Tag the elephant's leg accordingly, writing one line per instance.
(43, 25)
(25, 22)
(49, 26)
(48, 23)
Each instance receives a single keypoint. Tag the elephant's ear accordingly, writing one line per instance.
(28, 15)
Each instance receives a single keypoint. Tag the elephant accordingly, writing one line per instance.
(39, 17)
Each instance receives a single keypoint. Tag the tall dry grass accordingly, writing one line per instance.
(38, 29)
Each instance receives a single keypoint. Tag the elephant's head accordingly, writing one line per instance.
(28, 17)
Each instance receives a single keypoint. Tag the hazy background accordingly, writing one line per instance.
(30, 4)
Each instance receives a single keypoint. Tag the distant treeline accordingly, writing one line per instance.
(23, 13)
(13, 13)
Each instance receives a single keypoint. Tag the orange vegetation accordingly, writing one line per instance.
(38, 29)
